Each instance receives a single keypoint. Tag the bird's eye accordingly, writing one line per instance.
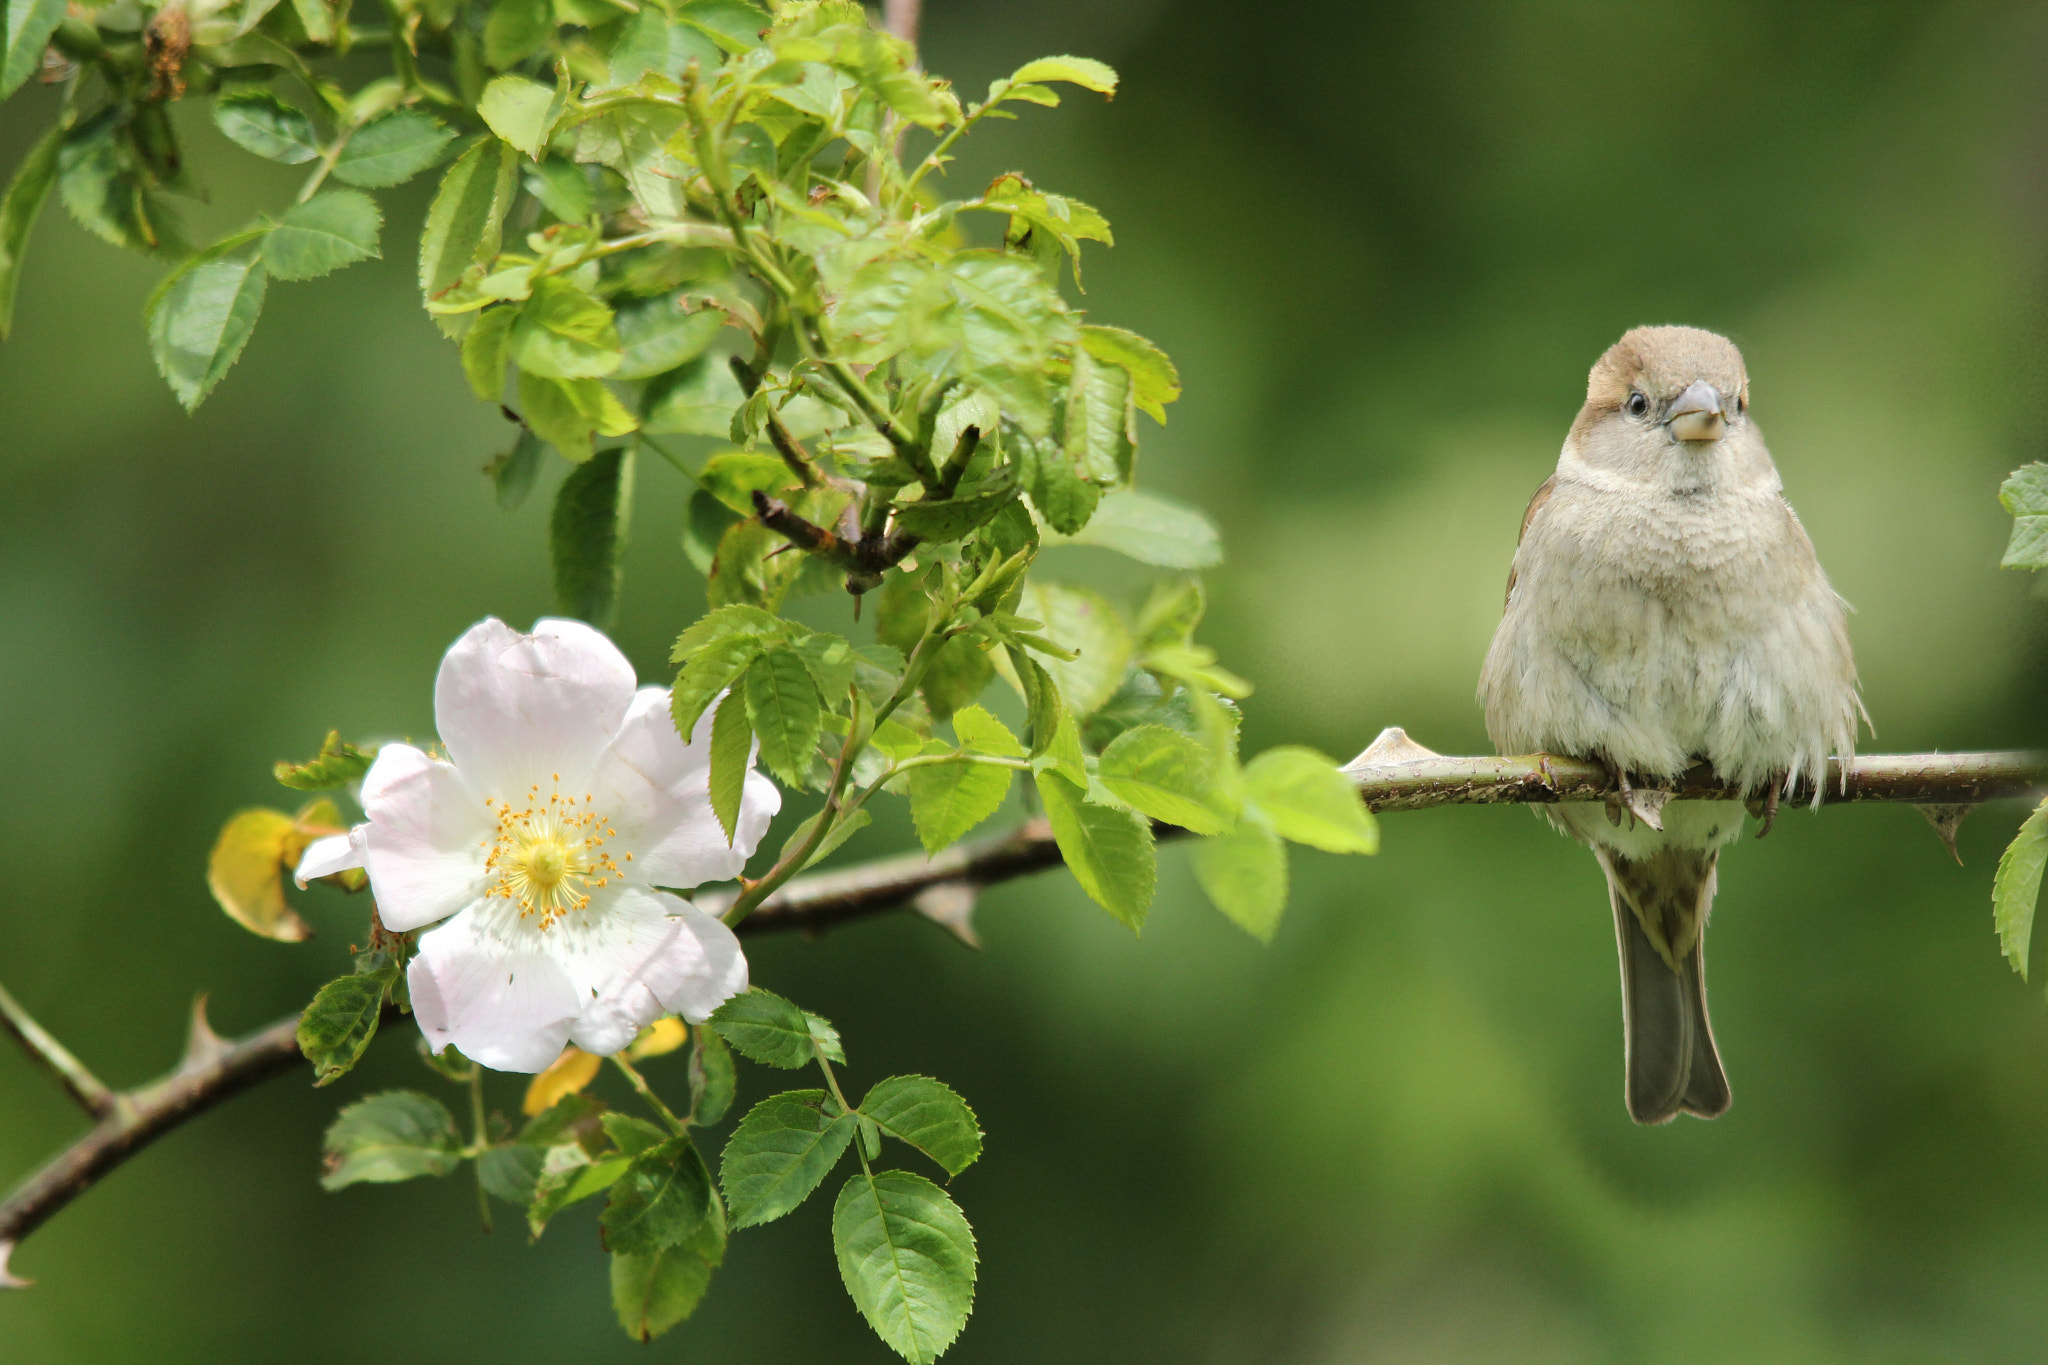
(1637, 405)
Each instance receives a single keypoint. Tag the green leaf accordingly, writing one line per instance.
(949, 799)
(713, 1077)
(712, 669)
(734, 476)
(1063, 498)
(652, 42)
(29, 26)
(630, 1135)
(397, 1135)
(316, 18)
(513, 471)
(565, 412)
(1167, 776)
(696, 398)
(783, 705)
(336, 765)
(342, 1020)
(705, 522)
(907, 1257)
(483, 351)
(562, 332)
(957, 674)
(1151, 530)
(658, 334)
(732, 743)
(569, 1176)
(780, 1152)
(323, 234)
(515, 30)
(1100, 441)
(1244, 872)
(391, 149)
(1082, 71)
(1309, 801)
(19, 209)
(765, 1028)
(1083, 621)
(984, 734)
(465, 223)
(2025, 496)
(103, 184)
(830, 659)
(954, 517)
(510, 1171)
(258, 121)
(842, 831)
(661, 1201)
(520, 111)
(201, 315)
(587, 536)
(654, 1291)
(1109, 851)
(929, 1116)
(2017, 888)
(1154, 381)
(825, 1038)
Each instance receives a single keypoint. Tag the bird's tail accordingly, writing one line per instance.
(1660, 921)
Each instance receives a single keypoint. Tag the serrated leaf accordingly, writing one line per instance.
(465, 223)
(568, 1176)
(483, 351)
(661, 1201)
(710, 671)
(732, 743)
(1154, 381)
(515, 30)
(103, 184)
(391, 149)
(785, 1146)
(1167, 776)
(907, 1257)
(2016, 890)
(1082, 71)
(566, 412)
(397, 1135)
(19, 209)
(323, 234)
(29, 26)
(258, 121)
(563, 332)
(630, 1135)
(1100, 443)
(202, 314)
(954, 517)
(949, 799)
(1244, 872)
(1083, 621)
(1109, 851)
(336, 765)
(1306, 799)
(1151, 530)
(763, 1027)
(653, 1292)
(927, 1114)
(696, 398)
(587, 536)
(341, 1020)
(520, 111)
(713, 1077)
(658, 334)
(2025, 496)
(784, 707)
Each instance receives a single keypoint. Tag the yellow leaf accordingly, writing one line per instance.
(566, 1075)
(663, 1035)
(246, 873)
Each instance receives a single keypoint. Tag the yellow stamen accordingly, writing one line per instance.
(548, 855)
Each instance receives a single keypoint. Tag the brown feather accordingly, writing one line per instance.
(1535, 505)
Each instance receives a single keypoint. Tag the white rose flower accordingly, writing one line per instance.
(535, 849)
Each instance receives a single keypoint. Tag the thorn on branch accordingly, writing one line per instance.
(1946, 821)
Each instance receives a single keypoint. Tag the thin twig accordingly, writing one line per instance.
(1395, 774)
(90, 1091)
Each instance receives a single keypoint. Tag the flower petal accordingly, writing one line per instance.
(516, 709)
(325, 857)
(495, 993)
(426, 839)
(657, 793)
(649, 955)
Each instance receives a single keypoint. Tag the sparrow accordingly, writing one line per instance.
(1666, 608)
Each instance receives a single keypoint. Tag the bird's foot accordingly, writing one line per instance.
(1641, 803)
(1766, 807)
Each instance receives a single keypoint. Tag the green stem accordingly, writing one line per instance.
(92, 1094)
(671, 457)
(327, 161)
(639, 1083)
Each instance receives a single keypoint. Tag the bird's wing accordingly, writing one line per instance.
(1535, 506)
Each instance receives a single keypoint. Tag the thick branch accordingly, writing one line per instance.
(1394, 774)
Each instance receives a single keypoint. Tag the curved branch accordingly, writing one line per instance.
(1394, 774)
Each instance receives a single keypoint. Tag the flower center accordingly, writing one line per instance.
(548, 855)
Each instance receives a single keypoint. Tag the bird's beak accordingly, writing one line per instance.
(1696, 414)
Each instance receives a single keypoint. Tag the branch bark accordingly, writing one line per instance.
(1394, 774)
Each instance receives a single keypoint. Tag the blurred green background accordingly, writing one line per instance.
(1383, 243)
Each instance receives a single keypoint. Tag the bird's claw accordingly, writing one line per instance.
(1766, 809)
(1645, 804)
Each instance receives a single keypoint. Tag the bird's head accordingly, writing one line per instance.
(1669, 404)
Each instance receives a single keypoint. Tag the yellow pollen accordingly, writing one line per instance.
(546, 856)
